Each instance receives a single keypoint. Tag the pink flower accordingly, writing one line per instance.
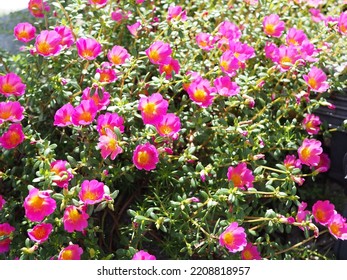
(71, 252)
(118, 15)
(201, 92)
(205, 41)
(152, 108)
(37, 8)
(310, 151)
(2, 202)
(75, 219)
(91, 192)
(134, 28)
(145, 157)
(338, 227)
(324, 163)
(342, 23)
(169, 68)
(295, 37)
(12, 137)
(176, 13)
(84, 113)
(5, 237)
(273, 26)
(88, 48)
(287, 56)
(109, 121)
(11, 84)
(169, 125)
(311, 123)
(241, 51)
(250, 252)
(302, 214)
(316, 80)
(142, 255)
(109, 145)
(229, 31)
(11, 111)
(24, 32)
(38, 205)
(291, 162)
(308, 51)
(61, 168)
(240, 176)
(48, 43)
(118, 55)
(323, 211)
(67, 38)
(272, 51)
(40, 232)
(229, 63)
(107, 73)
(315, 3)
(233, 238)
(98, 3)
(225, 87)
(316, 15)
(159, 53)
(63, 115)
(100, 97)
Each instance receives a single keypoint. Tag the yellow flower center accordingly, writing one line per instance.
(5, 114)
(305, 153)
(36, 202)
(320, 215)
(312, 83)
(66, 255)
(86, 116)
(236, 179)
(149, 108)
(87, 53)
(229, 238)
(335, 229)
(165, 129)
(284, 61)
(39, 233)
(43, 47)
(269, 29)
(200, 95)
(154, 55)
(116, 59)
(7, 88)
(167, 68)
(224, 64)
(143, 157)
(74, 214)
(247, 255)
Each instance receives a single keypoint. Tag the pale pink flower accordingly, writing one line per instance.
(109, 145)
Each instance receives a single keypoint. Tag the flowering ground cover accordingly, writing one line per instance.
(169, 129)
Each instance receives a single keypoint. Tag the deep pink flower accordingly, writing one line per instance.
(2, 202)
(169, 125)
(48, 43)
(107, 73)
(308, 51)
(240, 176)
(229, 31)
(169, 68)
(324, 163)
(118, 55)
(310, 151)
(205, 41)
(134, 28)
(38, 8)
(176, 13)
(311, 123)
(159, 53)
(40, 232)
(287, 56)
(272, 51)
(316, 15)
(109, 121)
(11, 111)
(291, 162)
(88, 48)
(71, 252)
(233, 238)
(273, 26)
(67, 38)
(5, 237)
(11, 84)
(145, 157)
(98, 3)
(24, 32)
(142, 255)
(316, 80)
(38, 205)
(241, 51)
(62, 169)
(201, 92)
(225, 87)
(109, 145)
(323, 211)
(84, 113)
(118, 15)
(152, 108)
(250, 252)
(91, 192)
(229, 63)
(342, 23)
(63, 115)
(12, 137)
(100, 97)
(302, 214)
(295, 37)
(75, 219)
(338, 227)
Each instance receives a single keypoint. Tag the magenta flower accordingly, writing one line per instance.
(169, 125)
(75, 219)
(61, 168)
(338, 227)
(48, 43)
(134, 28)
(201, 92)
(107, 73)
(142, 255)
(118, 55)
(11, 111)
(109, 121)
(11, 84)
(225, 87)
(205, 41)
(109, 145)
(176, 13)
(100, 97)
(67, 37)
(38, 205)
(291, 162)
(2, 202)
(159, 53)
(24, 32)
(316, 15)
(240, 176)
(88, 48)
(38, 8)
(310, 151)
(250, 252)
(233, 238)
(152, 108)
(229, 63)
(5, 237)
(118, 15)
(316, 80)
(145, 157)
(302, 214)
(229, 30)
(323, 211)
(272, 51)
(311, 123)
(295, 37)
(324, 163)
(241, 51)
(342, 23)
(71, 252)
(84, 113)
(91, 192)
(273, 26)
(287, 57)
(40, 232)
(63, 115)
(12, 137)
(98, 3)
(169, 68)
